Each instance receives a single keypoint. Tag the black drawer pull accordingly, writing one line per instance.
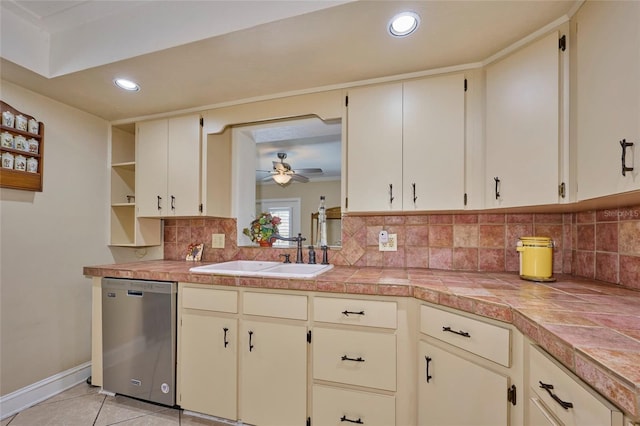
(346, 358)
(563, 404)
(428, 361)
(226, 342)
(251, 346)
(159, 199)
(459, 333)
(347, 313)
(346, 419)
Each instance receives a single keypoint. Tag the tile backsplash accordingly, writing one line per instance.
(601, 244)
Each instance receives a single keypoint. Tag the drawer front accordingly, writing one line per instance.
(485, 340)
(361, 358)
(332, 406)
(275, 305)
(208, 299)
(589, 408)
(369, 313)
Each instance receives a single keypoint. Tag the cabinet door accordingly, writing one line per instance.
(454, 391)
(184, 166)
(374, 148)
(608, 97)
(433, 143)
(273, 373)
(151, 168)
(208, 364)
(522, 130)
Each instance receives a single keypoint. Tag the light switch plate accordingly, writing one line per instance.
(217, 241)
(390, 245)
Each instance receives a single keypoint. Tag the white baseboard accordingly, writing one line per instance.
(28, 396)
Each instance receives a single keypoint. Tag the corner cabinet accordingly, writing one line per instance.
(469, 371)
(406, 145)
(22, 162)
(168, 167)
(524, 125)
(126, 229)
(607, 96)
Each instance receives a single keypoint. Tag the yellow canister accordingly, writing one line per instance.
(536, 258)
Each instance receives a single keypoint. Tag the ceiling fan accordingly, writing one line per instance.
(282, 173)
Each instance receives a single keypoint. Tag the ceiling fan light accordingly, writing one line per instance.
(282, 179)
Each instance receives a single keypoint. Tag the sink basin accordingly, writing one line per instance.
(295, 270)
(256, 268)
(234, 267)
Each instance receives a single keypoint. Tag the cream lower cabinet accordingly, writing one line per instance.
(273, 359)
(208, 351)
(466, 375)
(355, 352)
(557, 397)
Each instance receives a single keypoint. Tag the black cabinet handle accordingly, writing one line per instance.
(250, 341)
(459, 333)
(346, 419)
(428, 361)
(391, 197)
(346, 358)
(159, 199)
(173, 202)
(563, 404)
(347, 313)
(497, 179)
(624, 144)
(413, 185)
(226, 342)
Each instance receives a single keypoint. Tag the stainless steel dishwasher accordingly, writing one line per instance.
(139, 339)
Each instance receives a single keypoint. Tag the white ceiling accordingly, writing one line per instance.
(193, 55)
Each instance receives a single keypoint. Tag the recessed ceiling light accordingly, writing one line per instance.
(404, 24)
(125, 84)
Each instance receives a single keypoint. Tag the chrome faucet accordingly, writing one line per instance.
(299, 239)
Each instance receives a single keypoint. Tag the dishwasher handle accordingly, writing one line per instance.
(135, 293)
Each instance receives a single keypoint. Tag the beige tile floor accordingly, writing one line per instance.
(82, 405)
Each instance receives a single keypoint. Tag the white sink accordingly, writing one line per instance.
(234, 267)
(255, 268)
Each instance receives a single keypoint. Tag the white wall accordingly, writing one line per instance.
(45, 240)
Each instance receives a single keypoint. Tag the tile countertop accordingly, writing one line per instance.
(593, 328)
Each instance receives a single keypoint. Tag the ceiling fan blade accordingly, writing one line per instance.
(299, 178)
(311, 170)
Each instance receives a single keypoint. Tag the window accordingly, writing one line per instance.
(288, 210)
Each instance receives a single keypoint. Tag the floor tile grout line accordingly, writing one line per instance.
(104, 398)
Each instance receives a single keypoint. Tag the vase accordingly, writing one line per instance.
(265, 243)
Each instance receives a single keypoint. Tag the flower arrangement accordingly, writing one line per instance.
(262, 229)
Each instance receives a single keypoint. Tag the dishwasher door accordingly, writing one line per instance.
(139, 339)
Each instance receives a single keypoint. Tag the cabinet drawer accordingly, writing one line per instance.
(589, 408)
(370, 313)
(210, 299)
(275, 305)
(480, 338)
(332, 406)
(360, 358)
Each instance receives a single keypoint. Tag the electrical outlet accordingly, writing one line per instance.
(390, 245)
(217, 241)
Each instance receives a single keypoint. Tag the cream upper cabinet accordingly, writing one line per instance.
(374, 148)
(168, 167)
(523, 126)
(433, 156)
(406, 145)
(607, 97)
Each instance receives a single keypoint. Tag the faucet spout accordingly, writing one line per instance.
(299, 239)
